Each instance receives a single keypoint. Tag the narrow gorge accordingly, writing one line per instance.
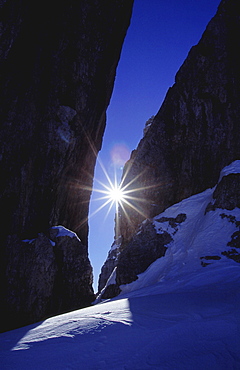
(57, 70)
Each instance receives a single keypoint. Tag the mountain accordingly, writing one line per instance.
(57, 69)
(185, 146)
(181, 313)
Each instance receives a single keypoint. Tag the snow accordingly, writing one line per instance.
(63, 231)
(30, 241)
(114, 246)
(234, 167)
(111, 280)
(177, 315)
(198, 236)
(194, 328)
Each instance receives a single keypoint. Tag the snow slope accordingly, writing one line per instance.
(201, 234)
(192, 328)
(181, 313)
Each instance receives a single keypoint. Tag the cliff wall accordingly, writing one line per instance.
(57, 69)
(192, 137)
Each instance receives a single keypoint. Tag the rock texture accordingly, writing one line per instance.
(196, 131)
(145, 247)
(46, 275)
(226, 196)
(227, 193)
(57, 70)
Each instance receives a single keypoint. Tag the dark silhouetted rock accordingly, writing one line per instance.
(226, 195)
(108, 266)
(111, 291)
(57, 70)
(144, 248)
(47, 276)
(227, 192)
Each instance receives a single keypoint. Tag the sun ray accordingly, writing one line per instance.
(108, 211)
(132, 181)
(101, 207)
(135, 208)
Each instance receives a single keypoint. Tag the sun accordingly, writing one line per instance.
(116, 194)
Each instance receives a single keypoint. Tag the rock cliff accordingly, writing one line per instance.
(199, 231)
(192, 137)
(57, 70)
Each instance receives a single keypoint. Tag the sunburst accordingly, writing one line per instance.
(119, 195)
(123, 195)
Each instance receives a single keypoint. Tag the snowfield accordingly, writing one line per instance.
(181, 313)
(191, 327)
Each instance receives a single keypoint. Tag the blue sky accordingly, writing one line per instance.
(157, 43)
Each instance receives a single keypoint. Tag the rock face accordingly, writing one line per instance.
(145, 247)
(227, 193)
(46, 275)
(194, 134)
(197, 232)
(57, 68)
(226, 196)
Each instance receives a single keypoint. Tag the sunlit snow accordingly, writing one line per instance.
(63, 231)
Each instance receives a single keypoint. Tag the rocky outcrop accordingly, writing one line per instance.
(196, 131)
(199, 232)
(108, 267)
(226, 196)
(147, 245)
(46, 275)
(144, 248)
(57, 66)
(227, 193)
